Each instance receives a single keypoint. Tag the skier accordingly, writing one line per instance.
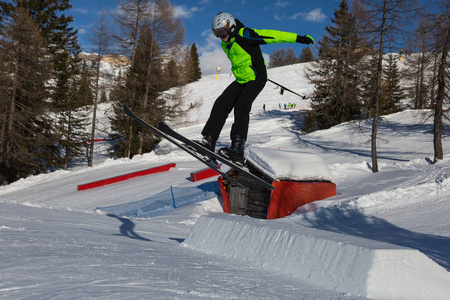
(242, 46)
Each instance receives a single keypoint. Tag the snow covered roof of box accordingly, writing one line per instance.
(288, 165)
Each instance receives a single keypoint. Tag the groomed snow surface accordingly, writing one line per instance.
(384, 236)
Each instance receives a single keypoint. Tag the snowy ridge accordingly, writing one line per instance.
(343, 262)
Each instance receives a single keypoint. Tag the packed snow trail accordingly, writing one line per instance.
(53, 254)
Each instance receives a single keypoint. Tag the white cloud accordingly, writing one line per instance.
(279, 18)
(81, 10)
(209, 61)
(314, 15)
(181, 11)
(281, 4)
(184, 12)
(212, 56)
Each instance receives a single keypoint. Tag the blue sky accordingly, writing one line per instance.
(302, 17)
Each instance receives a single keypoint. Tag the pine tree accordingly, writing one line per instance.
(306, 55)
(84, 92)
(146, 57)
(62, 40)
(283, 57)
(275, 59)
(130, 18)
(171, 75)
(392, 92)
(73, 118)
(63, 48)
(27, 139)
(368, 86)
(291, 57)
(159, 36)
(194, 70)
(336, 78)
(72, 124)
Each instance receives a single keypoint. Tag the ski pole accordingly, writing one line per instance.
(285, 88)
(318, 49)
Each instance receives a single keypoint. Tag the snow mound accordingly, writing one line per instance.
(288, 165)
(346, 263)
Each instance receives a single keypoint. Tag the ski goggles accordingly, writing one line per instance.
(221, 32)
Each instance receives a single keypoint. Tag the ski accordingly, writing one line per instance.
(202, 150)
(204, 160)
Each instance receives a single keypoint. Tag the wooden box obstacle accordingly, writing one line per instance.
(299, 178)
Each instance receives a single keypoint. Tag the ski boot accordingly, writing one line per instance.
(209, 142)
(235, 152)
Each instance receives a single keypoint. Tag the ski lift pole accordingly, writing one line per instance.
(285, 88)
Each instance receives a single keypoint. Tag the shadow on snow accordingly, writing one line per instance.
(127, 228)
(352, 221)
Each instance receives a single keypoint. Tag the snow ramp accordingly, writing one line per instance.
(346, 263)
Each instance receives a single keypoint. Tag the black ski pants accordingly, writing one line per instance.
(237, 96)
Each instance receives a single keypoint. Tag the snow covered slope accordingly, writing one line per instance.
(55, 245)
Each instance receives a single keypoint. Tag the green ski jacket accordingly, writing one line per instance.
(245, 54)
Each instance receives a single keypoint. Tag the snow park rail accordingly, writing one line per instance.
(203, 174)
(124, 177)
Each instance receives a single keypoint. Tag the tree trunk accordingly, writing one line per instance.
(133, 11)
(12, 108)
(94, 115)
(378, 92)
(437, 128)
(148, 79)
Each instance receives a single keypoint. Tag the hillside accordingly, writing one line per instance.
(393, 225)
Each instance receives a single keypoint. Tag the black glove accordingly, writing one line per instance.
(305, 39)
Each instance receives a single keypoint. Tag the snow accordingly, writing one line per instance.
(384, 235)
(343, 262)
(288, 165)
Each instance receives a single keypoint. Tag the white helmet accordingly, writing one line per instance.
(223, 24)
